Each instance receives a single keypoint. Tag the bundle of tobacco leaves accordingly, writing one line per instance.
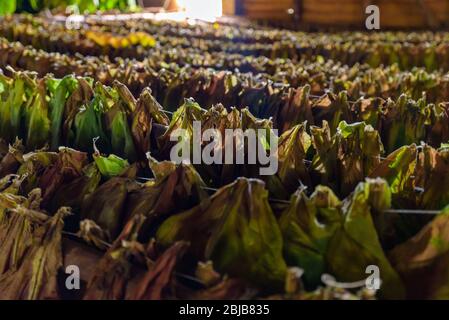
(344, 159)
(321, 234)
(234, 228)
(31, 247)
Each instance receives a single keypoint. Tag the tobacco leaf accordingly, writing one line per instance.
(147, 112)
(345, 159)
(307, 227)
(105, 206)
(422, 261)
(37, 124)
(405, 122)
(292, 172)
(72, 193)
(333, 108)
(117, 105)
(296, 110)
(155, 284)
(113, 272)
(62, 91)
(237, 230)
(182, 119)
(174, 189)
(90, 232)
(67, 167)
(11, 161)
(33, 166)
(35, 276)
(356, 244)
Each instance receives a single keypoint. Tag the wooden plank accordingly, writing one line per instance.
(397, 13)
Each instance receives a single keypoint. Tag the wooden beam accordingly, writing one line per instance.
(428, 14)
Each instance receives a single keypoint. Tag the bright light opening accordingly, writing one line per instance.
(207, 10)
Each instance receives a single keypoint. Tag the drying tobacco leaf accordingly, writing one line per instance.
(16, 229)
(83, 118)
(17, 93)
(307, 226)
(437, 130)
(396, 169)
(80, 97)
(239, 122)
(12, 160)
(432, 176)
(345, 159)
(182, 119)
(117, 105)
(111, 276)
(292, 172)
(174, 189)
(37, 119)
(34, 277)
(33, 166)
(237, 230)
(423, 260)
(405, 122)
(296, 110)
(356, 244)
(91, 233)
(147, 112)
(156, 283)
(72, 193)
(68, 166)
(62, 91)
(106, 204)
(417, 176)
(333, 109)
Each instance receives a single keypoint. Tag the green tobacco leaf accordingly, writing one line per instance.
(237, 230)
(110, 166)
(61, 92)
(38, 125)
(88, 126)
(118, 103)
(307, 226)
(7, 7)
(356, 245)
(20, 92)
